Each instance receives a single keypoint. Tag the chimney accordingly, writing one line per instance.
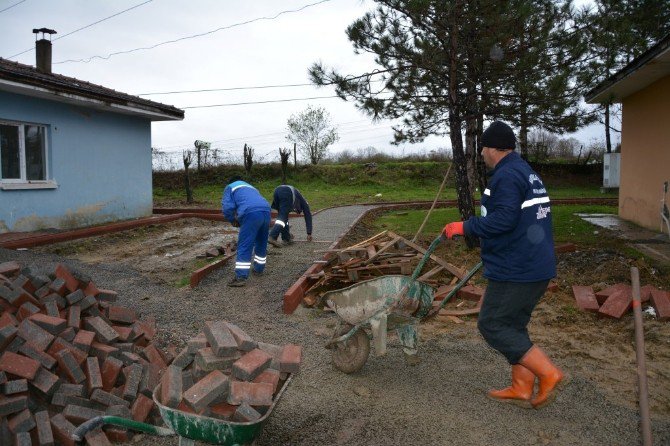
(43, 50)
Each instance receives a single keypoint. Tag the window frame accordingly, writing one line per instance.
(23, 182)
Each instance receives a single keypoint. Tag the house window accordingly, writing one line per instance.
(23, 156)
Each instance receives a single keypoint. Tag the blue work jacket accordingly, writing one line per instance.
(515, 227)
(240, 198)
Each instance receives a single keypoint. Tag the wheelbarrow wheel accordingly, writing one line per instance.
(350, 356)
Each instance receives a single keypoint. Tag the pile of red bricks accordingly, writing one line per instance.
(617, 300)
(68, 354)
(223, 373)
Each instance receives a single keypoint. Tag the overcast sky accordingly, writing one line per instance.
(274, 47)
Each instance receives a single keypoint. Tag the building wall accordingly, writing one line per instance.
(101, 162)
(645, 154)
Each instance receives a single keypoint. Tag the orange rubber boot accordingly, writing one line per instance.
(549, 376)
(520, 391)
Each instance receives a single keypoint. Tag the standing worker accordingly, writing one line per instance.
(517, 250)
(245, 207)
(287, 199)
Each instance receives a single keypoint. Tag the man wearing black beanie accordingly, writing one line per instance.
(517, 250)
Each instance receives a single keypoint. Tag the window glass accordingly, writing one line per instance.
(9, 152)
(35, 153)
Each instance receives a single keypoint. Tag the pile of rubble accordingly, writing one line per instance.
(68, 353)
(224, 373)
(616, 300)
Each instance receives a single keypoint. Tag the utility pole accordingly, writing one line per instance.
(295, 157)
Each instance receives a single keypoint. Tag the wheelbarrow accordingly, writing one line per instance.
(393, 302)
(188, 426)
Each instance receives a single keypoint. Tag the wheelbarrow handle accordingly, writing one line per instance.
(94, 423)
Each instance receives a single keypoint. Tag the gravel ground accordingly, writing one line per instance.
(440, 401)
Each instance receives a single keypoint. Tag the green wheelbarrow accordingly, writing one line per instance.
(392, 302)
(188, 426)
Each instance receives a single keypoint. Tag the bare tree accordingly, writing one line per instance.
(188, 160)
(248, 158)
(284, 155)
(311, 130)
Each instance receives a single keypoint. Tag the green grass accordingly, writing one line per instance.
(567, 226)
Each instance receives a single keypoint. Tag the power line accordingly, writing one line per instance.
(83, 27)
(108, 56)
(10, 7)
(258, 102)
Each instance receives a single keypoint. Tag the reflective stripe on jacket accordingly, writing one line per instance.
(240, 198)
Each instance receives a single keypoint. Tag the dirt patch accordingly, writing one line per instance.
(166, 253)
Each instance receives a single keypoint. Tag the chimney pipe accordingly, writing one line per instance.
(43, 50)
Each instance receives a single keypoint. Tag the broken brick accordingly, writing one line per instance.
(603, 295)
(244, 341)
(245, 413)
(62, 272)
(585, 298)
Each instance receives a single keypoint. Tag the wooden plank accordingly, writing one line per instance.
(365, 242)
(448, 266)
(388, 245)
(431, 273)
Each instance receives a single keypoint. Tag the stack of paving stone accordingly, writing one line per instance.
(225, 374)
(68, 353)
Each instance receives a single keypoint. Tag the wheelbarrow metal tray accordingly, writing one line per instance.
(363, 300)
(215, 430)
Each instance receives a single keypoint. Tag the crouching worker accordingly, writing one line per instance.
(517, 250)
(244, 206)
(287, 199)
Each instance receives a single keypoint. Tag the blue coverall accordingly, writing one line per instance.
(286, 199)
(242, 202)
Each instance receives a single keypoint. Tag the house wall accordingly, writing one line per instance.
(101, 162)
(645, 154)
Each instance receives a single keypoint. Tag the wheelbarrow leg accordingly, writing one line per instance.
(378, 325)
(409, 340)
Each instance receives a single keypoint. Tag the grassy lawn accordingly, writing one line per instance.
(567, 226)
(321, 194)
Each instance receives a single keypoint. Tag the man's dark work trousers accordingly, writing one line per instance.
(505, 314)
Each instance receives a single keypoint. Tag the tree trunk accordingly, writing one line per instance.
(295, 155)
(471, 150)
(608, 141)
(481, 167)
(523, 127)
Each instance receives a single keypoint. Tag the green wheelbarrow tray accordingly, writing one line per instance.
(188, 425)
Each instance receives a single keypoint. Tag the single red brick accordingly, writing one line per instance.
(68, 365)
(21, 422)
(8, 318)
(220, 338)
(151, 353)
(254, 394)
(661, 302)
(586, 298)
(147, 328)
(53, 325)
(79, 414)
(141, 408)
(19, 365)
(61, 344)
(83, 340)
(616, 304)
(102, 351)
(26, 310)
(10, 268)
(46, 382)
(245, 413)
(74, 316)
(47, 361)
(62, 429)
(290, 359)
(91, 289)
(58, 286)
(133, 379)
(103, 331)
(93, 374)
(118, 435)
(12, 405)
(45, 436)
(269, 376)
(7, 335)
(171, 387)
(121, 315)
(125, 333)
(602, 295)
(208, 389)
(107, 295)
(71, 282)
(470, 292)
(251, 365)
